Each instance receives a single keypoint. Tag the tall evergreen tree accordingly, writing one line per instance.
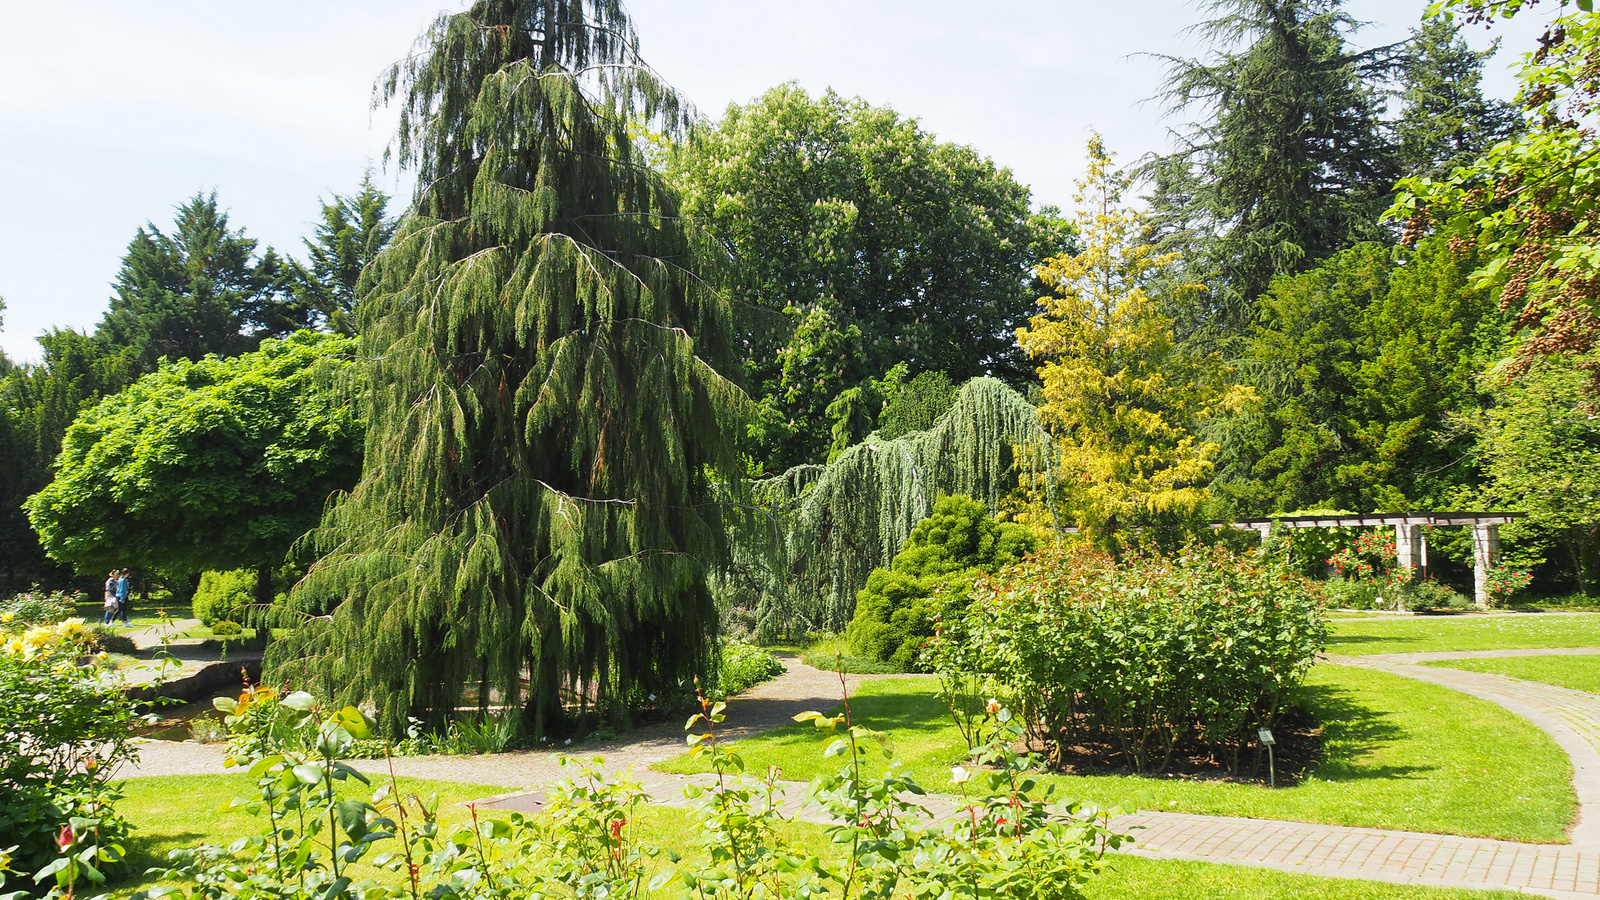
(1365, 368)
(1446, 120)
(352, 232)
(1123, 402)
(201, 289)
(547, 422)
(1294, 164)
(38, 402)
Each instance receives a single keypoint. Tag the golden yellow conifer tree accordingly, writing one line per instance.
(1122, 401)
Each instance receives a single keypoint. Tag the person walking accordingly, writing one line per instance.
(112, 604)
(123, 585)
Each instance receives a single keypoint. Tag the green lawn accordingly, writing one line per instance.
(173, 811)
(183, 810)
(1128, 877)
(1420, 633)
(1400, 754)
(144, 614)
(1581, 673)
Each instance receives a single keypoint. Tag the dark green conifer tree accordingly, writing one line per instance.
(1446, 121)
(1293, 163)
(201, 289)
(351, 234)
(536, 517)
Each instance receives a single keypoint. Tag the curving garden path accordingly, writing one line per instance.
(1571, 717)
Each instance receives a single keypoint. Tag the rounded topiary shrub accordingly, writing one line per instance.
(893, 616)
(223, 596)
(1148, 654)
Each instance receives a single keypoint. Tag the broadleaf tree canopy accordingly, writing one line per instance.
(834, 210)
(215, 464)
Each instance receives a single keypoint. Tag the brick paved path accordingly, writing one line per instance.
(1329, 850)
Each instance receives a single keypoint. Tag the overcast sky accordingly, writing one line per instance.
(111, 113)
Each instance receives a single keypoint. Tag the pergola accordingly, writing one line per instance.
(1411, 547)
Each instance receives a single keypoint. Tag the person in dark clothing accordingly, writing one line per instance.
(123, 585)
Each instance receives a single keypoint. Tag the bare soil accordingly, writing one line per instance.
(1297, 752)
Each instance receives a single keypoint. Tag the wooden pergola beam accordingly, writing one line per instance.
(1411, 549)
(1377, 519)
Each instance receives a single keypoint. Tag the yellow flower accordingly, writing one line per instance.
(4, 618)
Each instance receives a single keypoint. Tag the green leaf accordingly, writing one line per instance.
(355, 722)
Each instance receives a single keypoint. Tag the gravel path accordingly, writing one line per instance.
(768, 705)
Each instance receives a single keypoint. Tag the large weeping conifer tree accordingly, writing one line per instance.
(547, 422)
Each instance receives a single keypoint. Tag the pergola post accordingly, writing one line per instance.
(1408, 546)
(1485, 547)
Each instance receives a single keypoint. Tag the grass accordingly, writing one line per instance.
(172, 811)
(1170, 879)
(181, 811)
(1426, 633)
(830, 652)
(1581, 673)
(145, 613)
(1400, 754)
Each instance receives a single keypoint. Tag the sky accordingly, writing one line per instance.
(112, 113)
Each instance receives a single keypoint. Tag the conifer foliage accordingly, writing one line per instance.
(536, 518)
(820, 530)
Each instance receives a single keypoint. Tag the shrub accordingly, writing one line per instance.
(744, 666)
(831, 653)
(207, 729)
(65, 726)
(1356, 593)
(37, 607)
(1205, 645)
(224, 596)
(893, 616)
(1428, 594)
(1505, 582)
(111, 641)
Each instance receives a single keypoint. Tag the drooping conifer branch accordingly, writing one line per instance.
(820, 531)
(548, 426)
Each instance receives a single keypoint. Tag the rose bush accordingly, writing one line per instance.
(1205, 646)
(65, 726)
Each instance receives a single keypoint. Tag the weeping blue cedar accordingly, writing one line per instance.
(547, 422)
(817, 531)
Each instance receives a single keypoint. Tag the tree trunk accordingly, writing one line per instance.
(262, 619)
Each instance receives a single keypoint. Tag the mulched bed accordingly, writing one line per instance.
(1298, 751)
